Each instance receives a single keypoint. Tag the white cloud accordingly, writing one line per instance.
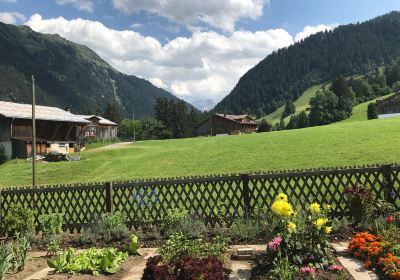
(205, 65)
(217, 13)
(82, 5)
(310, 30)
(12, 17)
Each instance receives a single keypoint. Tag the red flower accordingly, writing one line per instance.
(390, 219)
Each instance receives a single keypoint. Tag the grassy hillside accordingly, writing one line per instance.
(360, 111)
(301, 105)
(364, 142)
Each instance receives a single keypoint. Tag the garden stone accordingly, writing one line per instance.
(241, 270)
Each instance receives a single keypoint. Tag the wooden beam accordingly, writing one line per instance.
(56, 131)
(69, 131)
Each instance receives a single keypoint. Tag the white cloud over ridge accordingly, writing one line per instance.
(217, 13)
(205, 65)
(82, 5)
(12, 17)
(310, 30)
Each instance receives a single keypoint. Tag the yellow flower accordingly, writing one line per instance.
(321, 222)
(328, 207)
(291, 227)
(282, 196)
(282, 208)
(328, 230)
(315, 208)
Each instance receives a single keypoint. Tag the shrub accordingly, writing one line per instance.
(180, 220)
(372, 111)
(19, 221)
(110, 227)
(364, 207)
(245, 230)
(51, 224)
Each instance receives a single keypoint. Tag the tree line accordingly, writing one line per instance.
(173, 119)
(335, 102)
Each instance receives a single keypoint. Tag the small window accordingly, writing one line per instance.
(61, 145)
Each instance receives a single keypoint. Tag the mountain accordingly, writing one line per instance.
(68, 74)
(203, 105)
(287, 73)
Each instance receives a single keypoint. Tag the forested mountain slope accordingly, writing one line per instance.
(68, 74)
(288, 72)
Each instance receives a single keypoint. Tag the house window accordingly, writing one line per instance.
(61, 145)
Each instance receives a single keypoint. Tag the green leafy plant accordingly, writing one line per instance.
(245, 229)
(110, 227)
(179, 245)
(90, 261)
(20, 248)
(51, 223)
(133, 245)
(19, 221)
(6, 258)
(51, 228)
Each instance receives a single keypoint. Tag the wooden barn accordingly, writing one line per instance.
(99, 128)
(57, 130)
(222, 124)
(389, 107)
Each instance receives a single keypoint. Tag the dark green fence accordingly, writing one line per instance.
(231, 195)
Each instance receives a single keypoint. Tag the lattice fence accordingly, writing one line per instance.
(209, 196)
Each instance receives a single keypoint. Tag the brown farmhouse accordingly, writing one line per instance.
(57, 130)
(389, 105)
(222, 124)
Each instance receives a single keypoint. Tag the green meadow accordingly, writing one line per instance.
(353, 143)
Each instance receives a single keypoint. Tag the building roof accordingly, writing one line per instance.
(101, 119)
(24, 111)
(237, 118)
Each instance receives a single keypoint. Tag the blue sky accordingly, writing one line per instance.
(196, 49)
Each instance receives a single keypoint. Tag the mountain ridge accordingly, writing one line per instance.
(286, 73)
(68, 74)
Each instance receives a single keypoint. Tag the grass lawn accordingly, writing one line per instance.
(301, 105)
(360, 111)
(364, 142)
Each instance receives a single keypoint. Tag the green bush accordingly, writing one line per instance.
(19, 221)
(245, 230)
(110, 227)
(51, 223)
(180, 220)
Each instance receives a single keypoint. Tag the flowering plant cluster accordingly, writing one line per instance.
(365, 246)
(301, 238)
(378, 252)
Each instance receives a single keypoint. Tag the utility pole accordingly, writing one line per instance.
(134, 125)
(33, 134)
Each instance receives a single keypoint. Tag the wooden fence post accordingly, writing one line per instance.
(109, 197)
(246, 195)
(388, 184)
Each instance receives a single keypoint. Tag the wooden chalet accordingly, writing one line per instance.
(222, 124)
(57, 130)
(389, 107)
(99, 128)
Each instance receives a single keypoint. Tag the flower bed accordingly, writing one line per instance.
(300, 247)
